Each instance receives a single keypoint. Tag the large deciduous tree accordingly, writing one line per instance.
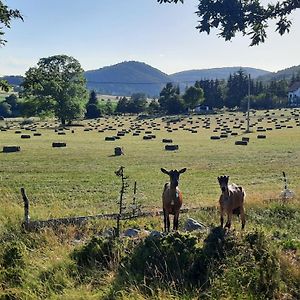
(193, 96)
(249, 17)
(6, 16)
(56, 85)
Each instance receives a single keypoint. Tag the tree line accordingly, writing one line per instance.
(57, 87)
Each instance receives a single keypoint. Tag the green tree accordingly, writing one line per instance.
(6, 16)
(137, 103)
(248, 17)
(109, 109)
(57, 85)
(170, 100)
(4, 86)
(12, 100)
(237, 89)
(92, 109)
(93, 98)
(153, 107)
(193, 96)
(5, 109)
(122, 106)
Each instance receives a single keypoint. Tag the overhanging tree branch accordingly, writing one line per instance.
(6, 16)
(248, 17)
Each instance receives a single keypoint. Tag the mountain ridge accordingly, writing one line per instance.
(128, 77)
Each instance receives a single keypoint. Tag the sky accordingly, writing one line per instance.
(100, 33)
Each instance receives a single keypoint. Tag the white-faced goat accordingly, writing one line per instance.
(172, 198)
(231, 201)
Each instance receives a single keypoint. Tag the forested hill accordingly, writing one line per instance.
(126, 78)
(282, 74)
(214, 73)
(131, 77)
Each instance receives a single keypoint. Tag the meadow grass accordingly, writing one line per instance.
(80, 180)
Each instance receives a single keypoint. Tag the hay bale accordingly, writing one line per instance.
(261, 136)
(18, 131)
(119, 151)
(214, 137)
(110, 138)
(10, 149)
(37, 134)
(245, 139)
(59, 144)
(171, 147)
(167, 141)
(25, 136)
(147, 137)
(241, 143)
(61, 133)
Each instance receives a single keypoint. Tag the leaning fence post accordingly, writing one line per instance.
(26, 208)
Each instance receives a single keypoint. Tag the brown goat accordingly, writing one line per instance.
(231, 201)
(172, 198)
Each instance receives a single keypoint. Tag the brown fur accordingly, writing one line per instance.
(172, 199)
(231, 201)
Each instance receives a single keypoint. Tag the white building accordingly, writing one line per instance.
(294, 95)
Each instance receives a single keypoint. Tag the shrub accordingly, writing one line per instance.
(159, 260)
(12, 265)
(99, 252)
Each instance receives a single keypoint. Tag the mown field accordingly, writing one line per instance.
(80, 180)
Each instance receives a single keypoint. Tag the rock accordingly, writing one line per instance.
(191, 225)
(131, 232)
(109, 232)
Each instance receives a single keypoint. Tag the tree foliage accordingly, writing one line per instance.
(6, 16)
(193, 95)
(92, 109)
(4, 86)
(248, 17)
(170, 100)
(136, 104)
(57, 85)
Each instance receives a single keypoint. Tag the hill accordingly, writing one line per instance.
(14, 80)
(282, 74)
(191, 76)
(126, 78)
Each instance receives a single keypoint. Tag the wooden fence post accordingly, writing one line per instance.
(26, 208)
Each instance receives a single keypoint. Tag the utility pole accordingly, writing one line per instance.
(248, 105)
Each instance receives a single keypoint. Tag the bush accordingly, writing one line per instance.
(99, 252)
(166, 259)
(12, 265)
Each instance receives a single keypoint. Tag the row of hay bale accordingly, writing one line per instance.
(11, 149)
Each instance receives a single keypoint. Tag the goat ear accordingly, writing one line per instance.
(164, 171)
(182, 171)
(219, 178)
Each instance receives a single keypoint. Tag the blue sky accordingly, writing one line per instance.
(104, 32)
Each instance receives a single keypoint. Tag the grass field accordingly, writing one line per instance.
(79, 179)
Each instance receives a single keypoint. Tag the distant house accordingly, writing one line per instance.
(294, 94)
(201, 109)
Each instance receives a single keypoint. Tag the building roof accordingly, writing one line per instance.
(295, 86)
